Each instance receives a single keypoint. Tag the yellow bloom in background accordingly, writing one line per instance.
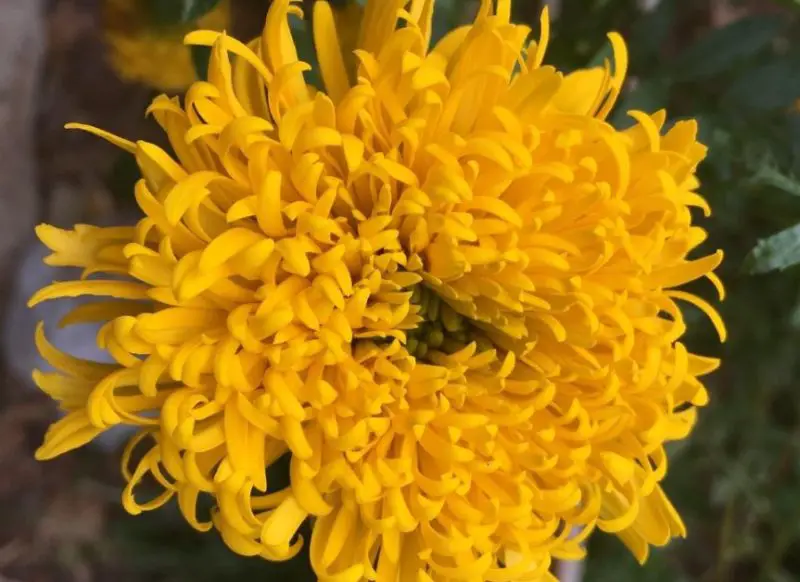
(445, 286)
(152, 55)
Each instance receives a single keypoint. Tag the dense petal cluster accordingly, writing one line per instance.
(445, 286)
(141, 51)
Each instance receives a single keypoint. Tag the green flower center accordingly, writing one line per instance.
(442, 329)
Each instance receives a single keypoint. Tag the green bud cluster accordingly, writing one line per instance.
(442, 329)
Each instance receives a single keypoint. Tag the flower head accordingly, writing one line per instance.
(156, 56)
(445, 286)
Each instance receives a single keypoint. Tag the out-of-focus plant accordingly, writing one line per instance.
(144, 43)
(145, 38)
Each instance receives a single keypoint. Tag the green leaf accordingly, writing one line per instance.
(604, 53)
(770, 176)
(649, 96)
(777, 252)
(306, 50)
(446, 17)
(650, 32)
(609, 561)
(179, 12)
(775, 85)
(122, 178)
(201, 55)
(719, 50)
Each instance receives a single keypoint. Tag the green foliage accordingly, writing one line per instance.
(779, 251)
(306, 51)
(581, 29)
(184, 13)
(448, 15)
(768, 176)
(161, 545)
(771, 86)
(649, 95)
(651, 31)
(179, 12)
(782, 250)
(722, 49)
(200, 57)
(122, 178)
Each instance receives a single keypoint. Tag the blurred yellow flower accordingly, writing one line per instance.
(445, 286)
(153, 55)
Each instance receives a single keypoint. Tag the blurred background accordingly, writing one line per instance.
(733, 65)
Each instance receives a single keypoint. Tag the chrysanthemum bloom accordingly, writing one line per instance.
(445, 286)
(142, 52)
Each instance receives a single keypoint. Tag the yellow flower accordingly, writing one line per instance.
(445, 286)
(152, 55)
